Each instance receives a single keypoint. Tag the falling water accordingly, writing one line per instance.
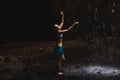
(97, 70)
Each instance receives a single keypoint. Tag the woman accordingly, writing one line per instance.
(59, 49)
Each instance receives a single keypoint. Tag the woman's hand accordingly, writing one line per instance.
(76, 22)
(61, 12)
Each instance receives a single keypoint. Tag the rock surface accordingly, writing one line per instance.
(93, 58)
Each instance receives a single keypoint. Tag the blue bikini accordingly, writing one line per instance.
(60, 36)
(59, 49)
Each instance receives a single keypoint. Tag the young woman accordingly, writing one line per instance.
(59, 49)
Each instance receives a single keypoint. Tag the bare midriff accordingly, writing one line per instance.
(60, 42)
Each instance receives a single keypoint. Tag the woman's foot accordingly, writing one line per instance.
(60, 73)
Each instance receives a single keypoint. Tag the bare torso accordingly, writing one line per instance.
(59, 43)
(60, 36)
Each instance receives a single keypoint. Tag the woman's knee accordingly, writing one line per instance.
(63, 57)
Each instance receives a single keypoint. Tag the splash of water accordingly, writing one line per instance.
(76, 70)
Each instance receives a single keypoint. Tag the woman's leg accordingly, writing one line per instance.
(62, 58)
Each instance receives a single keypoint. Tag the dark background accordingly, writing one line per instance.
(95, 41)
(34, 20)
(22, 21)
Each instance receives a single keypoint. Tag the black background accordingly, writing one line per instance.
(26, 21)
(34, 20)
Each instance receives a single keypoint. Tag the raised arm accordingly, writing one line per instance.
(65, 30)
(62, 21)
